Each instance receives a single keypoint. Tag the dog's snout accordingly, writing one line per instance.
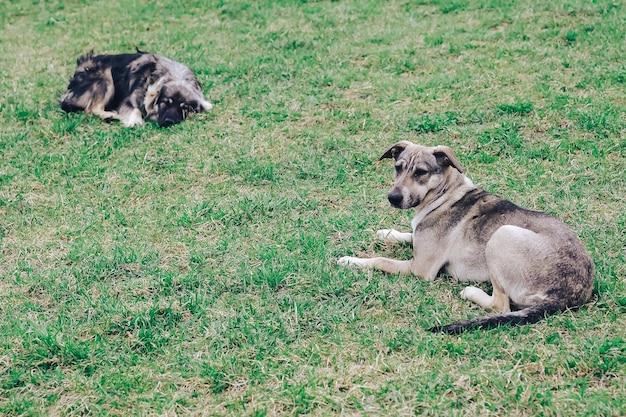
(167, 122)
(169, 117)
(395, 199)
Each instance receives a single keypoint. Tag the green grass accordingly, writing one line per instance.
(192, 270)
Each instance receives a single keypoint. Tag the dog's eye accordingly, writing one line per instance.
(399, 169)
(419, 172)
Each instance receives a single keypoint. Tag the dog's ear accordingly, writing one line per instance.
(396, 150)
(84, 58)
(446, 157)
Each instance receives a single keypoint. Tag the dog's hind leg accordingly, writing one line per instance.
(507, 254)
(498, 301)
(392, 235)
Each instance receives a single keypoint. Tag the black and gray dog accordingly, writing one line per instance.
(131, 87)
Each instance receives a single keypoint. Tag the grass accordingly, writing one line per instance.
(191, 270)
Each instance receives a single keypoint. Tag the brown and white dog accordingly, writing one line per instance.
(535, 263)
(131, 87)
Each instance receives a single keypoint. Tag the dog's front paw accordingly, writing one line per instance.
(349, 261)
(384, 234)
(133, 119)
(133, 124)
(392, 235)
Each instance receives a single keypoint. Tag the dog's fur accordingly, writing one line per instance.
(131, 87)
(535, 263)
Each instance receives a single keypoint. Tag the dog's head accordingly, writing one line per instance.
(169, 103)
(421, 173)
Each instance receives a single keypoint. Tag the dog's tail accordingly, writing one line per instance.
(526, 316)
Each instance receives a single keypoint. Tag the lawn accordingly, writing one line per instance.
(192, 270)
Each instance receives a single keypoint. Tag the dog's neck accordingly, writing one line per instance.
(453, 190)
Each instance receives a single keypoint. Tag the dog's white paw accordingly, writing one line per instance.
(385, 233)
(134, 119)
(392, 235)
(206, 105)
(478, 296)
(470, 292)
(348, 261)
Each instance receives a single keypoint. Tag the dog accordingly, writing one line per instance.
(131, 87)
(537, 266)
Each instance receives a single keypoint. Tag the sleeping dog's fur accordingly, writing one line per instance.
(131, 87)
(534, 261)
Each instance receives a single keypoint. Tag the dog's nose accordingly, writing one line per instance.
(168, 122)
(395, 199)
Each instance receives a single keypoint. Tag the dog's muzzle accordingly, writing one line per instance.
(169, 117)
(398, 200)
